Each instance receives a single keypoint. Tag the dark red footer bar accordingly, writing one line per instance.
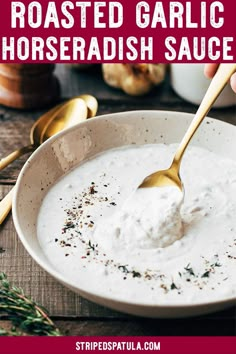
(164, 345)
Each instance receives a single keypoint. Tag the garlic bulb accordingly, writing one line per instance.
(134, 79)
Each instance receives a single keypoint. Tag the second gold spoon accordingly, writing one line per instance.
(171, 177)
(60, 117)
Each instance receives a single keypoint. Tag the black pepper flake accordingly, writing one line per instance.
(136, 274)
(92, 190)
(56, 239)
(148, 276)
(2, 250)
(163, 286)
(113, 203)
(173, 286)
(69, 225)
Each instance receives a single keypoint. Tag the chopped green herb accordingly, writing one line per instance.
(206, 274)
(91, 246)
(189, 270)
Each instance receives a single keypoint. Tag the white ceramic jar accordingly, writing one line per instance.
(189, 82)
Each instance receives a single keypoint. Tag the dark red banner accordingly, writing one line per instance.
(117, 31)
(164, 345)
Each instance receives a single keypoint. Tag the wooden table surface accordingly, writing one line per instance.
(73, 314)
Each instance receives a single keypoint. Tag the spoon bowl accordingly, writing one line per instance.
(164, 178)
(92, 104)
(70, 113)
(171, 176)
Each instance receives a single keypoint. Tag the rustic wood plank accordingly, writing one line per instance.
(14, 133)
(150, 327)
(220, 324)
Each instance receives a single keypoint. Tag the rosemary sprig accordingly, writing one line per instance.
(25, 315)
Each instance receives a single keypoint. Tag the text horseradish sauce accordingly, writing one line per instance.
(146, 246)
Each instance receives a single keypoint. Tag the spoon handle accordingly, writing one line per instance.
(217, 84)
(5, 161)
(5, 205)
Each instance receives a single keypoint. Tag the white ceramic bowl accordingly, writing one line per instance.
(66, 150)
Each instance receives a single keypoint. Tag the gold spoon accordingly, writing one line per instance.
(58, 118)
(171, 177)
(63, 116)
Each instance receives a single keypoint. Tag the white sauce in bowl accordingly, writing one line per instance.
(149, 218)
(137, 250)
